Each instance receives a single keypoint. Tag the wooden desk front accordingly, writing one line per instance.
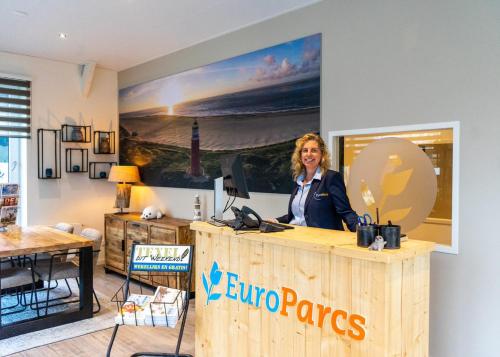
(330, 276)
(19, 241)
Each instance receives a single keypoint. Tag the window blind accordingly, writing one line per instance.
(15, 108)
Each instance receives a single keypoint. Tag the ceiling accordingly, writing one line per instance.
(119, 34)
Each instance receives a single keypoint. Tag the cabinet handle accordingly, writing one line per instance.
(123, 245)
(135, 224)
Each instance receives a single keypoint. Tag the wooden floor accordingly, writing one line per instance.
(129, 339)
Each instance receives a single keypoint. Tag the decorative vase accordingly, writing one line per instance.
(104, 147)
(197, 208)
(76, 168)
(77, 134)
(48, 172)
(102, 174)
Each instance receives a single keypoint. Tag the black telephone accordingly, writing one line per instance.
(243, 220)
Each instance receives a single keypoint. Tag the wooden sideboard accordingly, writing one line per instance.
(121, 230)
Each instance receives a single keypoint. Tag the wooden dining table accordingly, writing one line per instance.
(24, 241)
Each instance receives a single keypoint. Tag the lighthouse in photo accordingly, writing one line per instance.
(195, 149)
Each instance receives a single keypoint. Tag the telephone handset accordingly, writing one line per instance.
(243, 219)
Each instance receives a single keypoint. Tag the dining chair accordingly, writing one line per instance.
(56, 269)
(62, 226)
(39, 257)
(14, 275)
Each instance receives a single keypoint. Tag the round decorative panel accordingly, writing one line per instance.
(397, 177)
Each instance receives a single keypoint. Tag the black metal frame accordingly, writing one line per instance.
(20, 289)
(84, 157)
(66, 134)
(51, 270)
(97, 142)
(56, 173)
(60, 318)
(184, 312)
(92, 169)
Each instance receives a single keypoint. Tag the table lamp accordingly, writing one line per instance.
(124, 176)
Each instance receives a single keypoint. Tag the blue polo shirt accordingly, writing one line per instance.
(299, 200)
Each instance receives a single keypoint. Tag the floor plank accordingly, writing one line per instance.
(129, 339)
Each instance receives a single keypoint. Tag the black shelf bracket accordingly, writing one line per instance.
(77, 160)
(104, 142)
(49, 166)
(99, 170)
(76, 133)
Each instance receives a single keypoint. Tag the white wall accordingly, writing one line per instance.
(56, 100)
(387, 63)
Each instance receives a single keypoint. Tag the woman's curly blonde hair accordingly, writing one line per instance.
(297, 166)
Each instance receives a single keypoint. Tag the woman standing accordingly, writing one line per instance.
(319, 198)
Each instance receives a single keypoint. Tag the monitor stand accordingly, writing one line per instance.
(218, 198)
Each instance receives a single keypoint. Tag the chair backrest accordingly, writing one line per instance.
(95, 236)
(65, 227)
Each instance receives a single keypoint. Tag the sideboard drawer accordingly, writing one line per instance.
(114, 243)
(138, 233)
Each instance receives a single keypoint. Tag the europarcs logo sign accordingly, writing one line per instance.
(280, 301)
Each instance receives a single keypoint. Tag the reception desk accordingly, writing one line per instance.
(308, 292)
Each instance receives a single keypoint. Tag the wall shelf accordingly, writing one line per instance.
(76, 133)
(99, 170)
(104, 142)
(49, 164)
(77, 160)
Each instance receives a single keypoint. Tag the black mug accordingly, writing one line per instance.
(366, 234)
(392, 235)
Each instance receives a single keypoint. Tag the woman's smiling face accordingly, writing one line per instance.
(311, 155)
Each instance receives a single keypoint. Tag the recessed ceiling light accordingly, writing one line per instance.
(63, 35)
(20, 13)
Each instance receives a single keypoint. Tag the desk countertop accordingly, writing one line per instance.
(324, 240)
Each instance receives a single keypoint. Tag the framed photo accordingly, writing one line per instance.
(10, 189)
(176, 128)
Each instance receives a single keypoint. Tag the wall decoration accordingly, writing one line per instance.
(175, 128)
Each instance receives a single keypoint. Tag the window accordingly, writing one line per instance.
(15, 124)
(440, 143)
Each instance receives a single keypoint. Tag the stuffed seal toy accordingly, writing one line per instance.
(151, 212)
(378, 244)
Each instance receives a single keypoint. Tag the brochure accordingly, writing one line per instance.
(166, 307)
(8, 214)
(8, 201)
(10, 189)
(133, 310)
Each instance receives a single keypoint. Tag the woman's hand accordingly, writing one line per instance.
(273, 220)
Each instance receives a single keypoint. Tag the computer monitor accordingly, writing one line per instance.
(234, 176)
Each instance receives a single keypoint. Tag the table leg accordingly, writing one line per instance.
(86, 281)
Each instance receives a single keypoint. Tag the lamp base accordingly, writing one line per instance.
(123, 196)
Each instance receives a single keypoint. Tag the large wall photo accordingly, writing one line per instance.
(257, 104)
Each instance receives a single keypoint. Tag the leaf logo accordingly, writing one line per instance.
(215, 276)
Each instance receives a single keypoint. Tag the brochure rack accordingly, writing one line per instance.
(169, 305)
